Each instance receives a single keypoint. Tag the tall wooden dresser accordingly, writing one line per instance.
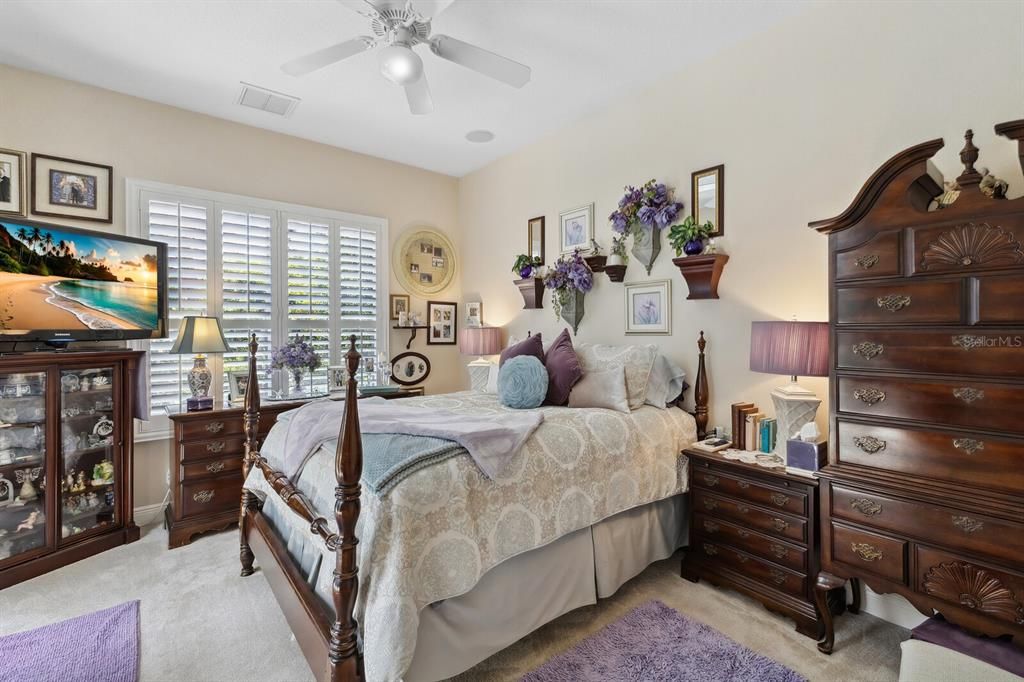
(923, 494)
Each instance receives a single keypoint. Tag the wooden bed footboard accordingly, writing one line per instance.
(330, 642)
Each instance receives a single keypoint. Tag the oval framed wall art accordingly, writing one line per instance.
(409, 368)
(424, 262)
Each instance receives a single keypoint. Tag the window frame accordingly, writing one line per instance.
(138, 192)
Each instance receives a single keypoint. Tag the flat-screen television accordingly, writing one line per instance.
(61, 284)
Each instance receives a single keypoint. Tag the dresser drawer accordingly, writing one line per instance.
(871, 552)
(912, 303)
(219, 447)
(745, 489)
(878, 257)
(211, 495)
(211, 467)
(773, 523)
(750, 566)
(999, 301)
(971, 585)
(993, 352)
(941, 525)
(964, 457)
(213, 427)
(966, 403)
(773, 549)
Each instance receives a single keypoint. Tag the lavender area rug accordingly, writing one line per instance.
(101, 647)
(654, 643)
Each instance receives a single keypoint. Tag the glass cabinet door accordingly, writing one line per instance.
(88, 432)
(23, 484)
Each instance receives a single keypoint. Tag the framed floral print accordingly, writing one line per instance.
(13, 183)
(576, 229)
(65, 188)
(442, 323)
(649, 307)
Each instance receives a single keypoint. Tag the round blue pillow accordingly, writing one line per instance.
(522, 383)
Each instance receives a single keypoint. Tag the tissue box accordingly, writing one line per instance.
(801, 454)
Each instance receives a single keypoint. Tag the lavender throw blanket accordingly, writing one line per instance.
(489, 442)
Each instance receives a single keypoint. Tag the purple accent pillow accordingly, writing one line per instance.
(997, 652)
(563, 369)
(531, 345)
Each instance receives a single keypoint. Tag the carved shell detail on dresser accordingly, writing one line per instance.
(974, 588)
(972, 244)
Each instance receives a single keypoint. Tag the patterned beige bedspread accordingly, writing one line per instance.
(436, 534)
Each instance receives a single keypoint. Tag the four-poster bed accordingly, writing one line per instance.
(324, 620)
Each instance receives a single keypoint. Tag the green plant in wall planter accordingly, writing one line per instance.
(569, 280)
(619, 254)
(527, 266)
(688, 237)
(643, 213)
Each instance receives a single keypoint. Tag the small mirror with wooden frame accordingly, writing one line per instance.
(707, 197)
(535, 238)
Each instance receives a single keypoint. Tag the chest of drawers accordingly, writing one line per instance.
(755, 530)
(923, 495)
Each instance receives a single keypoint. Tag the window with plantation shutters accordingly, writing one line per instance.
(262, 267)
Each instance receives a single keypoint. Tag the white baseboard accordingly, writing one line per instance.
(149, 514)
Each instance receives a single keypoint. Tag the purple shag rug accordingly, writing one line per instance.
(654, 643)
(97, 647)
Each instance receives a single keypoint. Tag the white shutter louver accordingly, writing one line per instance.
(245, 266)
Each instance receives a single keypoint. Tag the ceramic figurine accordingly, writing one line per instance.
(92, 501)
(69, 482)
(104, 427)
(84, 384)
(108, 497)
(991, 186)
(30, 522)
(100, 381)
(6, 492)
(103, 473)
(79, 483)
(25, 478)
(70, 383)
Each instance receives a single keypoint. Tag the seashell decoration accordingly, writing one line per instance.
(972, 244)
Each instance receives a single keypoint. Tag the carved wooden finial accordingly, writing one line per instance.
(253, 345)
(701, 342)
(968, 155)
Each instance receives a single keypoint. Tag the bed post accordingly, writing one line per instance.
(700, 392)
(251, 425)
(348, 469)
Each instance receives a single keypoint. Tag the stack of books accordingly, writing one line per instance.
(752, 430)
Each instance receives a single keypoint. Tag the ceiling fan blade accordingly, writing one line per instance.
(327, 56)
(472, 57)
(418, 94)
(361, 7)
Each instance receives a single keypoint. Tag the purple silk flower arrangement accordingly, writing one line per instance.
(296, 356)
(569, 273)
(650, 205)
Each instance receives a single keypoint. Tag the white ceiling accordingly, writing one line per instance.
(192, 54)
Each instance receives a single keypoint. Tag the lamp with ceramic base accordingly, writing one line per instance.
(795, 349)
(479, 341)
(199, 335)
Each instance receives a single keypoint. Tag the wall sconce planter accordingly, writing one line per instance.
(616, 273)
(596, 263)
(532, 289)
(702, 274)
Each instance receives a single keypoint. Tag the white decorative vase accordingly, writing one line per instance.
(613, 259)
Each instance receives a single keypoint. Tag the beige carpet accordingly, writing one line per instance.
(202, 623)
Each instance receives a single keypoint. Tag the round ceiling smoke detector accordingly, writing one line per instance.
(479, 136)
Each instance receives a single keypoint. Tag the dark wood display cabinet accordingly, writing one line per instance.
(65, 458)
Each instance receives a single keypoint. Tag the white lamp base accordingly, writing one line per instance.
(479, 371)
(794, 407)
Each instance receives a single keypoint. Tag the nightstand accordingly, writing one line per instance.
(755, 530)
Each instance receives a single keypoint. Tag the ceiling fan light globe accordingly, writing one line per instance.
(400, 65)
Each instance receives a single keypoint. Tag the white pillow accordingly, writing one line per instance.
(492, 379)
(636, 361)
(604, 388)
(666, 382)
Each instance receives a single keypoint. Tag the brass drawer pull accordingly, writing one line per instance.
(203, 496)
(867, 262)
(869, 444)
(214, 467)
(893, 302)
(741, 558)
(780, 524)
(868, 350)
(712, 481)
(778, 551)
(743, 484)
(710, 504)
(711, 527)
(968, 394)
(865, 506)
(215, 447)
(710, 550)
(869, 396)
(968, 445)
(967, 524)
(969, 341)
(778, 577)
(866, 552)
(780, 500)
(215, 427)
(743, 533)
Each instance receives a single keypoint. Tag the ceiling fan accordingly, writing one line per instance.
(399, 26)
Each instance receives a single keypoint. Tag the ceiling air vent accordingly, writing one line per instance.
(255, 97)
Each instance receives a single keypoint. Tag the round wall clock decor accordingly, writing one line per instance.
(409, 368)
(424, 262)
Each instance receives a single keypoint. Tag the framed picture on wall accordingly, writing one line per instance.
(535, 238)
(442, 323)
(707, 197)
(65, 188)
(474, 314)
(649, 307)
(13, 183)
(576, 229)
(399, 305)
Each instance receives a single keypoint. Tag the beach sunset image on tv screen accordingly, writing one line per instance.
(52, 278)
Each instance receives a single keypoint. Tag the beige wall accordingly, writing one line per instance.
(141, 139)
(800, 116)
